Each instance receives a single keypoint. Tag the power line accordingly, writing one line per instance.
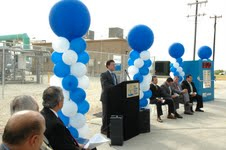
(214, 36)
(196, 17)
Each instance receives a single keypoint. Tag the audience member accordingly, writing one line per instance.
(58, 135)
(23, 131)
(157, 99)
(26, 102)
(169, 94)
(182, 95)
(190, 86)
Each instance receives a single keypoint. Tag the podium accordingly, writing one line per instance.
(123, 99)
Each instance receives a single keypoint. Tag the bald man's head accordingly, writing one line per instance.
(23, 125)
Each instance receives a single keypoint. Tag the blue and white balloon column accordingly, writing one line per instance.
(140, 39)
(70, 20)
(176, 50)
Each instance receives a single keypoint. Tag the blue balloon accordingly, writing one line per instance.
(61, 70)
(140, 38)
(134, 54)
(64, 118)
(143, 102)
(74, 132)
(176, 73)
(144, 70)
(147, 63)
(56, 57)
(147, 94)
(78, 95)
(176, 50)
(83, 107)
(70, 82)
(171, 65)
(130, 61)
(172, 69)
(69, 19)
(83, 57)
(204, 52)
(179, 60)
(138, 77)
(78, 45)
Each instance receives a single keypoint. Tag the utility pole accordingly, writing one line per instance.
(214, 36)
(196, 18)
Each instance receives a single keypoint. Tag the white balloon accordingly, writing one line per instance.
(138, 63)
(171, 75)
(176, 65)
(70, 108)
(133, 70)
(141, 94)
(147, 78)
(144, 86)
(78, 69)
(55, 81)
(61, 44)
(145, 55)
(179, 69)
(77, 121)
(66, 95)
(182, 74)
(83, 131)
(69, 57)
(83, 82)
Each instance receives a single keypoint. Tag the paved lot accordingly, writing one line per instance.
(201, 131)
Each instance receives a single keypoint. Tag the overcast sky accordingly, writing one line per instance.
(166, 18)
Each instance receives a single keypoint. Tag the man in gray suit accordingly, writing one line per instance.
(183, 95)
(108, 79)
(169, 94)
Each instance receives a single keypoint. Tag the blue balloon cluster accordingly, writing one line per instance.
(70, 19)
(176, 50)
(140, 39)
(204, 52)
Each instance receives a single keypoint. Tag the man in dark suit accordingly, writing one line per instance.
(157, 99)
(108, 79)
(169, 94)
(58, 135)
(190, 86)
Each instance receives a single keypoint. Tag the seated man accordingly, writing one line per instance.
(26, 102)
(190, 86)
(157, 99)
(169, 94)
(183, 95)
(58, 135)
(24, 130)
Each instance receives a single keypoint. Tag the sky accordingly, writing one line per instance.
(166, 18)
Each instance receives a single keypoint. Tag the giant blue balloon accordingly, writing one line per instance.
(83, 107)
(56, 57)
(204, 52)
(61, 70)
(78, 95)
(176, 50)
(63, 118)
(140, 38)
(70, 82)
(69, 19)
(78, 45)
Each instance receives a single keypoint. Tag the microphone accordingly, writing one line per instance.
(127, 74)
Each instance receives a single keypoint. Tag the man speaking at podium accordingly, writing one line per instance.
(108, 79)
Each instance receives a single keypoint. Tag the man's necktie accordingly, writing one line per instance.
(113, 77)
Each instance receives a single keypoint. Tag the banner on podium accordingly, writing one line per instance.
(132, 90)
